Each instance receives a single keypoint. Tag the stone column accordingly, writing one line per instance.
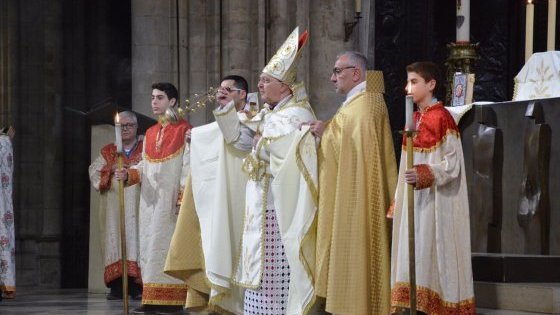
(51, 227)
(283, 19)
(237, 29)
(39, 142)
(203, 52)
(154, 48)
(327, 40)
(8, 55)
(4, 61)
(366, 35)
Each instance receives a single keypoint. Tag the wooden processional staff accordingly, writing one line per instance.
(122, 216)
(409, 132)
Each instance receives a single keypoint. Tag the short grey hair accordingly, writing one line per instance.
(129, 114)
(357, 59)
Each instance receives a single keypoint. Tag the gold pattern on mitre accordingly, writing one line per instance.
(283, 65)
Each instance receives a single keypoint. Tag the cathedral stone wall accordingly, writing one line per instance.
(212, 39)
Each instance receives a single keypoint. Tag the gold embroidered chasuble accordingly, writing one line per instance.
(282, 176)
(357, 179)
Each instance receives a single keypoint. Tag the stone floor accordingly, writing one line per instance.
(79, 302)
(65, 301)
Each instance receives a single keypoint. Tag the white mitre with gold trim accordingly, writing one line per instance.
(283, 65)
(539, 78)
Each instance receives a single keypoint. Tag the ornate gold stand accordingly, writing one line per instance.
(462, 58)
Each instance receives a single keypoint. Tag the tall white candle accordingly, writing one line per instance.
(409, 107)
(118, 135)
(463, 21)
(358, 6)
(529, 19)
(551, 33)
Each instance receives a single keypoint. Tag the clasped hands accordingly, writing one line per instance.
(121, 174)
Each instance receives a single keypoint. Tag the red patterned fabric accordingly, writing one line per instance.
(133, 177)
(173, 135)
(164, 294)
(114, 271)
(109, 153)
(432, 126)
(424, 177)
(429, 302)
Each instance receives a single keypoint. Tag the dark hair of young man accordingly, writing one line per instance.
(428, 71)
(169, 89)
(239, 82)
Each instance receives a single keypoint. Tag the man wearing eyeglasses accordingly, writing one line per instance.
(211, 228)
(233, 88)
(277, 245)
(232, 95)
(357, 176)
(101, 174)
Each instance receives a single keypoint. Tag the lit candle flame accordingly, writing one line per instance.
(409, 88)
(529, 1)
(118, 134)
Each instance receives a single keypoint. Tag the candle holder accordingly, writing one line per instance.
(349, 26)
(410, 134)
(462, 58)
(123, 236)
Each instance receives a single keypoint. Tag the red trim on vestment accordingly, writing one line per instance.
(172, 141)
(424, 176)
(429, 301)
(164, 294)
(133, 177)
(433, 126)
(114, 271)
(109, 153)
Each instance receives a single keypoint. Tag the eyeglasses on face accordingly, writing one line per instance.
(127, 126)
(337, 71)
(229, 89)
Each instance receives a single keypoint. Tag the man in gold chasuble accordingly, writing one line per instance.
(357, 177)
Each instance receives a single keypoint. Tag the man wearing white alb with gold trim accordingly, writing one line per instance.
(210, 226)
(277, 251)
(278, 243)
